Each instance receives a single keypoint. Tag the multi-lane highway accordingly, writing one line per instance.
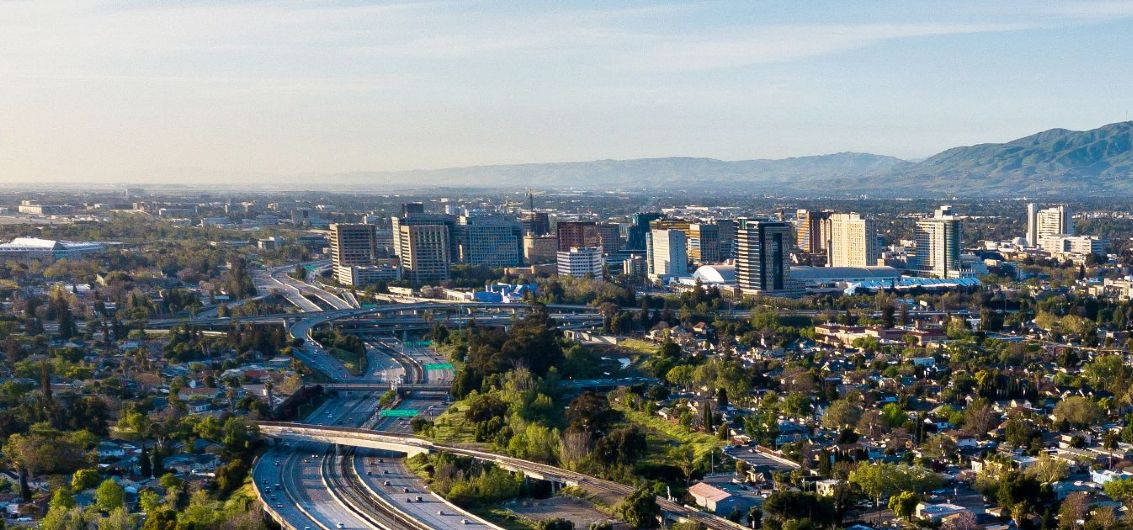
(297, 292)
(317, 485)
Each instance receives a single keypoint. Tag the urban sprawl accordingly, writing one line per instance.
(553, 360)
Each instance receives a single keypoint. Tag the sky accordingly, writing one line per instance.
(195, 91)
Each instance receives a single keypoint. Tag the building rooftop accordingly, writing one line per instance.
(35, 243)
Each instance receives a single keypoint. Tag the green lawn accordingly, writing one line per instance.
(639, 346)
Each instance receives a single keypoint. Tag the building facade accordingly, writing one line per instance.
(639, 231)
(540, 249)
(1046, 222)
(415, 218)
(609, 236)
(579, 234)
(351, 244)
(666, 254)
(424, 254)
(535, 223)
(763, 258)
(491, 241)
(810, 235)
(703, 242)
(938, 245)
(580, 262)
(853, 241)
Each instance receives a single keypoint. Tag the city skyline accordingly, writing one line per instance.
(202, 93)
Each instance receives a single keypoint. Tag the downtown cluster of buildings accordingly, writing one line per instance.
(782, 255)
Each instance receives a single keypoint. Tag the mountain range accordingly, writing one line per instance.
(1057, 162)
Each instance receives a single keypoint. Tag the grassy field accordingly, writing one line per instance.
(451, 427)
(639, 346)
(663, 434)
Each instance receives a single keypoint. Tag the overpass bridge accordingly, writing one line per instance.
(410, 445)
(381, 386)
(573, 384)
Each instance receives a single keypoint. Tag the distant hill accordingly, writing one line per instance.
(680, 172)
(1054, 162)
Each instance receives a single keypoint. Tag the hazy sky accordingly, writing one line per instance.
(206, 91)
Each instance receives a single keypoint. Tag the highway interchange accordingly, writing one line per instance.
(306, 484)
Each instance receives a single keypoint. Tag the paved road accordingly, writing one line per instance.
(282, 276)
(265, 282)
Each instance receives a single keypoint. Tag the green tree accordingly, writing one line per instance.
(640, 508)
(149, 501)
(63, 498)
(904, 504)
(109, 495)
(84, 479)
(1120, 490)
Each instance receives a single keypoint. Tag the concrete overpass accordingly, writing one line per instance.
(381, 386)
(410, 445)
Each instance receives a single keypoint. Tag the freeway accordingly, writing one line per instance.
(266, 282)
(597, 487)
(282, 276)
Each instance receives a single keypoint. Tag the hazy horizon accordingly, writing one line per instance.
(199, 92)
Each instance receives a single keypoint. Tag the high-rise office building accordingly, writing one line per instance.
(535, 223)
(491, 241)
(446, 220)
(763, 258)
(609, 236)
(351, 244)
(639, 230)
(573, 234)
(424, 253)
(1047, 222)
(540, 249)
(938, 245)
(1032, 224)
(666, 255)
(811, 233)
(703, 242)
(853, 241)
(727, 242)
(580, 262)
(410, 208)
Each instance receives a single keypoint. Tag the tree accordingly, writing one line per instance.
(1074, 508)
(904, 504)
(1079, 411)
(640, 508)
(841, 414)
(149, 501)
(1048, 469)
(883, 479)
(1120, 490)
(109, 495)
(557, 523)
(84, 479)
(785, 506)
(893, 415)
(63, 498)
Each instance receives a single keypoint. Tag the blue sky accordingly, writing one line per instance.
(215, 90)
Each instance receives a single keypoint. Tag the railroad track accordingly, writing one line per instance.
(348, 489)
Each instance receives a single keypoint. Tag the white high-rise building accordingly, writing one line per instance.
(1053, 221)
(853, 241)
(667, 254)
(938, 245)
(580, 262)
